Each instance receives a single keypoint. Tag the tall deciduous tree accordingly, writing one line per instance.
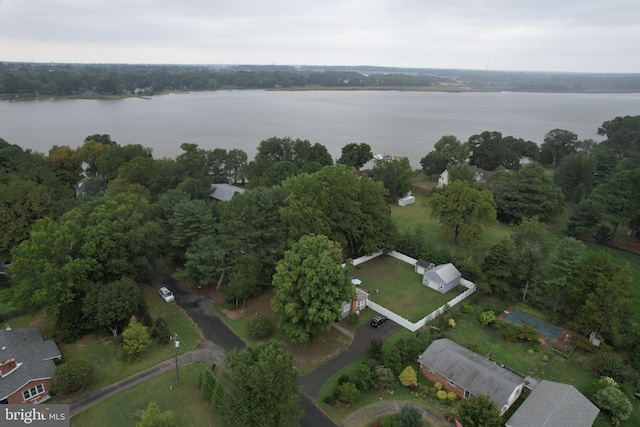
(563, 263)
(259, 387)
(337, 203)
(558, 143)
(310, 286)
(22, 202)
(463, 210)
(532, 246)
(498, 267)
(395, 176)
(355, 155)
(447, 152)
(65, 162)
(529, 192)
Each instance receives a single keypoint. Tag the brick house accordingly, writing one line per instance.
(26, 365)
(468, 374)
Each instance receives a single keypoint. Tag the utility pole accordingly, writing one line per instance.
(177, 344)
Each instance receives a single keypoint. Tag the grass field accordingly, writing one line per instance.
(184, 401)
(306, 358)
(104, 355)
(400, 288)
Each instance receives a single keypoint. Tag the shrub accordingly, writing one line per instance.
(344, 378)
(160, 332)
(487, 317)
(613, 400)
(375, 349)
(347, 393)
(452, 396)
(390, 421)
(409, 416)
(72, 376)
(442, 395)
(408, 377)
(466, 308)
(545, 357)
(329, 400)
(383, 377)
(352, 318)
(363, 377)
(259, 327)
(135, 339)
(611, 365)
(530, 351)
(528, 333)
(452, 323)
(438, 386)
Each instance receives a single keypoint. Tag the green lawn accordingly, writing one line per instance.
(400, 288)
(104, 355)
(125, 408)
(306, 358)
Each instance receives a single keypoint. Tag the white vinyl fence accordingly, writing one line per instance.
(471, 288)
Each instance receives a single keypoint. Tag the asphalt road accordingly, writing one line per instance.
(217, 332)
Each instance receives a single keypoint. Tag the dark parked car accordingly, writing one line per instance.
(378, 320)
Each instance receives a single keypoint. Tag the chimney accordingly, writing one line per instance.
(8, 366)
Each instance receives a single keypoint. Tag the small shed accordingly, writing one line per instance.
(406, 200)
(422, 265)
(442, 278)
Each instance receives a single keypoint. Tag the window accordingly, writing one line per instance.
(32, 392)
(466, 394)
(360, 305)
(346, 308)
(451, 383)
(431, 371)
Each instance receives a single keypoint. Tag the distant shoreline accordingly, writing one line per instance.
(445, 89)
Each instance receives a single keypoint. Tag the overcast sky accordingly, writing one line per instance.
(540, 35)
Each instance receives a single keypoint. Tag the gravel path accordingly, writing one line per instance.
(369, 413)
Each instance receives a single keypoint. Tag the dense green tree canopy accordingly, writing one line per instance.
(355, 155)
(258, 386)
(558, 143)
(479, 411)
(395, 176)
(463, 211)
(447, 152)
(22, 202)
(337, 203)
(575, 175)
(528, 192)
(310, 285)
(488, 150)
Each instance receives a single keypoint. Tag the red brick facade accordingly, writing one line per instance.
(17, 398)
(437, 378)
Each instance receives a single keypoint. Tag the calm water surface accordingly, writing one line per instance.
(396, 123)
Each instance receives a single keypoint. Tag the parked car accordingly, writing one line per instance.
(166, 294)
(378, 320)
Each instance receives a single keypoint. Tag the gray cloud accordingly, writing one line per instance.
(568, 35)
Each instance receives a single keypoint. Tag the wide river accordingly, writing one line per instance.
(396, 123)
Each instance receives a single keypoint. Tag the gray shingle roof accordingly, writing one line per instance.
(554, 404)
(423, 263)
(33, 354)
(470, 370)
(224, 192)
(446, 273)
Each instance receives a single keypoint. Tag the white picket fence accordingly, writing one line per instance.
(471, 288)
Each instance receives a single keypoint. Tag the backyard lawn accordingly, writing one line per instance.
(395, 285)
(125, 408)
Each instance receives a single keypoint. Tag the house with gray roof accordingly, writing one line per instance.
(468, 374)
(441, 278)
(553, 404)
(224, 192)
(479, 174)
(26, 365)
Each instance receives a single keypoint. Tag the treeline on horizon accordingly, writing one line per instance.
(55, 79)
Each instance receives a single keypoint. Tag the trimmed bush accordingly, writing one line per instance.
(438, 386)
(452, 396)
(72, 376)
(347, 393)
(259, 327)
(442, 395)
